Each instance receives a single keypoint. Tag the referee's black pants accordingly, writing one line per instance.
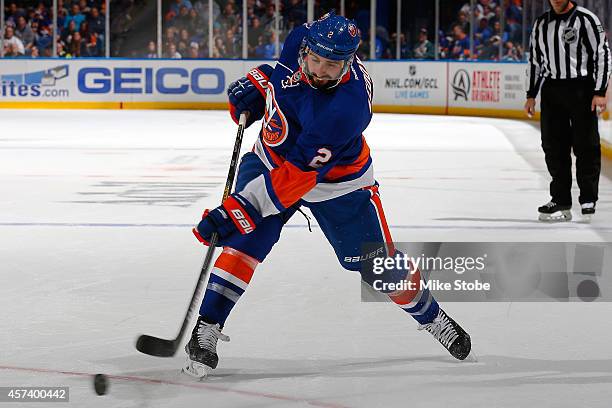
(567, 123)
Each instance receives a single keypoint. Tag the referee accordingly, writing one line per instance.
(569, 52)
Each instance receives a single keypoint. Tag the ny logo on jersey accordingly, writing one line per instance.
(275, 128)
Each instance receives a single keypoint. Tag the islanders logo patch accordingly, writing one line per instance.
(275, 128)
(352, 29)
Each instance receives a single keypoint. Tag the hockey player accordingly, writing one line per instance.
(315, 104)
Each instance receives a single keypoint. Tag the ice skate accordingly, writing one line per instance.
(450, 335)
(201, 349)
(588, 210)
(552, 212)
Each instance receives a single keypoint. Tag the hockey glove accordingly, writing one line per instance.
(249, 94)
(235, 215)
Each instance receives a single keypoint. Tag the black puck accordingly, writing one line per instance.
(100, 384)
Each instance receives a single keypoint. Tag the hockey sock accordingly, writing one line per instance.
(418, 303)
(228, 280)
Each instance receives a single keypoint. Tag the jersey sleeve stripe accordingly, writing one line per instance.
(338, 172)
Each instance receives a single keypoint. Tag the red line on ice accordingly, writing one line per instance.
(180, 384)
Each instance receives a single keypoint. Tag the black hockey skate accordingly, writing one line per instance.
(552, 212)
(201, 349)
(588, 210)
(450, 335)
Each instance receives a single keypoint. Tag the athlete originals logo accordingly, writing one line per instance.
(461, 84)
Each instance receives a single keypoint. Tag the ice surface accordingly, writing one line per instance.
(95, 216)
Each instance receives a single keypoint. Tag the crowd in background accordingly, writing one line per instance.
(185, 25)
(28, 28)
(185, 29)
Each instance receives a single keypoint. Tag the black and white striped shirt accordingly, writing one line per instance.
(570, 45)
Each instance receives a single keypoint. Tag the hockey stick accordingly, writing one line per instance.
(155, 346)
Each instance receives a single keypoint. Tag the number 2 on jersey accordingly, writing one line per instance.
(321, 159)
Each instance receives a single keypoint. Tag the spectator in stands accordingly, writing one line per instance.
(171, 36)
(61, 19)
(85, 8)
(77, 46)
(97, 22)
(463, 21)
(194, 51)
(60, 6)
(182, 20)
(93, 46)
(219, 48)
(172, 52)
(505, 36)
(267, 46)
(194, 24)
(42, 38)
(24, 32)
(514, 19)
(68, 33)
(176, 6)
(488, 9)
(381, 49)
(233, 48)
(255, 31)
(42, 15)
(423, 49)
(511, 52)
(483, 32)
(182, 45)
(76, 16)
(267, 20)
(151, 50)
(460, 46)
(61, 50)
(229, 19)
(13, 14)
(490, 50)
(295, 14)
(34, 53)
(405, 51)
(13, 46)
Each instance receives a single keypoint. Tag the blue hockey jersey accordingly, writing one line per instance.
(311, 140)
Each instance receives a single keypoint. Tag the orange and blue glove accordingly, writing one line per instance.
(235, 215)
(249, 94)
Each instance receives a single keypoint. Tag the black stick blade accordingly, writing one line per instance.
(155, 346)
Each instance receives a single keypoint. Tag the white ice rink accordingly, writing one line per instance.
(96, 209)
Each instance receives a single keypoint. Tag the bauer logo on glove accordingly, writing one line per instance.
(235, 215)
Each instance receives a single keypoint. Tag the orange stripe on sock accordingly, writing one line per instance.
(406, 296)
(383, 220)
(236, 263)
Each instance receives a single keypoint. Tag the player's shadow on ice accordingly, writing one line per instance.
(489, 371)
(499, 371)
(533, 371)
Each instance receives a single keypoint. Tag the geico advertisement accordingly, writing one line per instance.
(493, 86)
(409, 83)
(120, 80)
